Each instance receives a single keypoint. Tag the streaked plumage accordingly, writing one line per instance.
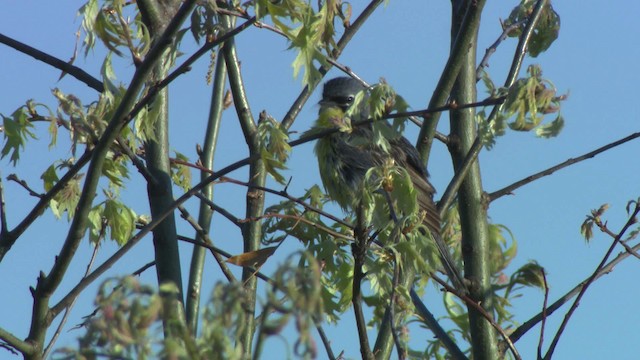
(344, 158)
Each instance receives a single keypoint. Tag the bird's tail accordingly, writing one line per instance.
(449, 266)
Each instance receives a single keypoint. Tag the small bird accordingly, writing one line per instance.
(345, 157)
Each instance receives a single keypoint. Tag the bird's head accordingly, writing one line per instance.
(338, 96)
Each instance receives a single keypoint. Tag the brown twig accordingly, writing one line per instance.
(632, 220)
(205, 236)
(509, 189)
(14, 177)
(484, 63)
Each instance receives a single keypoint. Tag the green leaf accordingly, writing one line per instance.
(551, 129)
(275, 147)
(546, 30)
(67, 198)
(120, 219)
(181, 174)
(529, 274)
(96, 216)
(17, 130)
(115, 169)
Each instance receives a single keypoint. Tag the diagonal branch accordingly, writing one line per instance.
(509, 189)
(632, 220)
(72, 70)
(604, 270)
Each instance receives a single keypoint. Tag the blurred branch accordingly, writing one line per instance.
(432, 323)
(63, 321)
(205, 237)
(66, 67)
(509, 189)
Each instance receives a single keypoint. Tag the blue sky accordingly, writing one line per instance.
(594, 61)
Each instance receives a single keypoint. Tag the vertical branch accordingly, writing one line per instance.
(206, 213)
(47, 284)
(474, 150)
(251, 231)
(473, 216)
(160, 192)
(462, 44)
(359, 250)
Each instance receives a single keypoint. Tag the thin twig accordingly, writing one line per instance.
(632, 220)
(484, 63)
(56, 334)
(205, 236)
(435, 327)
(509, 189)
(3, 210)
(14, 177)
(482, 311)
(544, 313)
(533, 321)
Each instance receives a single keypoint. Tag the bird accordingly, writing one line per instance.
(345, 156)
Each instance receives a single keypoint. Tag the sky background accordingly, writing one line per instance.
(594, 60)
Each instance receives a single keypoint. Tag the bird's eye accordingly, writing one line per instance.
(350, 98)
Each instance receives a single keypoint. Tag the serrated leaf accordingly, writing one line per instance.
(120, 219)
(17, 130)
(529, 274)
(67, 198)
(181, 174)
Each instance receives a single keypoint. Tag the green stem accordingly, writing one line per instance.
(206, 213)
(473, 216)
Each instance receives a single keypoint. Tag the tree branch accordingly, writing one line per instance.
(632, 220)
(606, 269)
(476, 147)
(509, 189)
(64, 66)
